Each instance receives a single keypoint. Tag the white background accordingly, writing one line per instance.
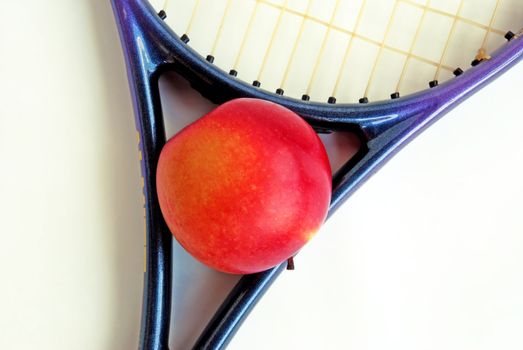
(427, 255)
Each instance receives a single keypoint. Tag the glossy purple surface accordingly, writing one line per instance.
(150, 48)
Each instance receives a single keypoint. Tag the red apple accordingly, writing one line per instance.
(244, 187)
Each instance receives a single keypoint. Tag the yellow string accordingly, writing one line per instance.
(491, 23)
(245, 36)
(412, 45)
(220, 28)
(322, 49)
(378, 57)
(295, 46)
(451, 34)
(273, 36)
(193, 15)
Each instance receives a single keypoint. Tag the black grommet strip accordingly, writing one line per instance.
(509, 36)
(305, 97)
(331, 100)
(162, 14)
(363, 100)
(184, 38)
(458, 71)
(475, 62)
(209, 58)
(233, 72)
(279, 91)
(395, 95)
(256, 83)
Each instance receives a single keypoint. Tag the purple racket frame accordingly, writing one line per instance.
(151, 48)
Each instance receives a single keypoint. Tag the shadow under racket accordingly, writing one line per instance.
(120, 181)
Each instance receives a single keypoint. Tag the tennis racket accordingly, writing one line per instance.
(384, 70)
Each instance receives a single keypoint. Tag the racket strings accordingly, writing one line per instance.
(348, 48)
(193, 16)
(315, 70)
(220, 28)
(447, 42)
(411, 48)
(490, 25)
(305, 16)
(380, 51)
(365, 65)
(271, 43)
(244, 39)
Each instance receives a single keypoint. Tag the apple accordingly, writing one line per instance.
(243, 188)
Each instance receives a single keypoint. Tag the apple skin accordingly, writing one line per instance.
(243, 188)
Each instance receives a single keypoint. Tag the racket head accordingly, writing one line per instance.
(171, 51)
(151, 48)
(368, 120)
